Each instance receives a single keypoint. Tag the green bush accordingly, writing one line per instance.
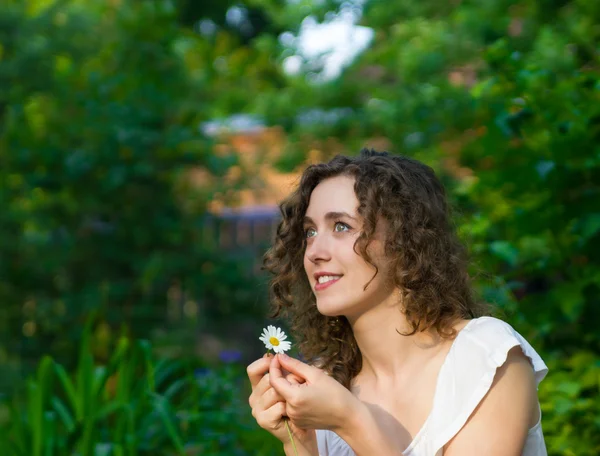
(101, 105)
(570, 406)
(133, 405)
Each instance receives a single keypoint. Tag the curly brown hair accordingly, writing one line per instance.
(428, 262)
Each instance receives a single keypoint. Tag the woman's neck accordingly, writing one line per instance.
(386, 353)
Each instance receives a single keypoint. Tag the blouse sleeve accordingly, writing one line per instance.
(469, 371)
(322, 442)
(330, 444)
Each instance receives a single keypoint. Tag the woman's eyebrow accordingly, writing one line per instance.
(331, 216)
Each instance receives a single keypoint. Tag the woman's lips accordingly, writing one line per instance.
(322, 286)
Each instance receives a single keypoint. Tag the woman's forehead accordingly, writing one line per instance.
(335, 194)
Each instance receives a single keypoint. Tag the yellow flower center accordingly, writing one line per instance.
(274, 341)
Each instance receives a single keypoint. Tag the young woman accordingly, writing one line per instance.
(401, 360)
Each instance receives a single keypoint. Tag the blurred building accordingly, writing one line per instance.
(243, 211)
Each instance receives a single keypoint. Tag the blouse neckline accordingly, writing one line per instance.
(421, 431)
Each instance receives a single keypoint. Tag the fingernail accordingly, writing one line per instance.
(283, 356)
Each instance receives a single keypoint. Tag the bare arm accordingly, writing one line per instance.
(307, 447)
(499, 425)
(367, 435)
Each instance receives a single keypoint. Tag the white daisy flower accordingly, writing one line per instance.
(274, 339)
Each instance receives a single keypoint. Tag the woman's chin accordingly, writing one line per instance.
(330, 309)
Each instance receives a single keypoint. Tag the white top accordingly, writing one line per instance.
(464, 379)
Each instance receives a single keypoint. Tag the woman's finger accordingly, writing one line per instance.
(280, 382)
(270, 418)
(294, 379)
(262, 386)
(269, 399)
(258, 369)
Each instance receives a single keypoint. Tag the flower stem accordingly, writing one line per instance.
(287, 426)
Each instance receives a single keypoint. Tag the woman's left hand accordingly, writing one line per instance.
(319, 402)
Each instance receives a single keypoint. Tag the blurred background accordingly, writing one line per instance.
(145, 144)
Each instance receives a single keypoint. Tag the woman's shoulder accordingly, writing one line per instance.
(488, 324)
(486, 342)
(489, 328)
(493, 339)
(483, 347)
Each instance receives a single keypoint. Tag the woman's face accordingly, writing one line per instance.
(337, 274)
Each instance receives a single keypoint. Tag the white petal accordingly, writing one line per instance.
(272, 332)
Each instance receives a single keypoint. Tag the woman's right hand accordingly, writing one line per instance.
(268, 407)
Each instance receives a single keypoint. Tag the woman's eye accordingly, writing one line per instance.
(339, 227)
(341, 224)
(308, 231)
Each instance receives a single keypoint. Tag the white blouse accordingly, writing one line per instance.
(464, 379)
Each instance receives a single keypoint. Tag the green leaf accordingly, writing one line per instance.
(161, 406)
(175, 387)
(505, 251)
(571, 389)
(63, 413)
(69, 389)
(146, 349)
(589, 226)
(108, 409)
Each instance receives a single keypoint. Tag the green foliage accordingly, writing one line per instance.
(570, 408)
(93, 142)
(101, 105)
(133, 405)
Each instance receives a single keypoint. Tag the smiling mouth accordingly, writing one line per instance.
(323, 285)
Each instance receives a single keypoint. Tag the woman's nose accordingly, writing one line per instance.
(318, 249)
